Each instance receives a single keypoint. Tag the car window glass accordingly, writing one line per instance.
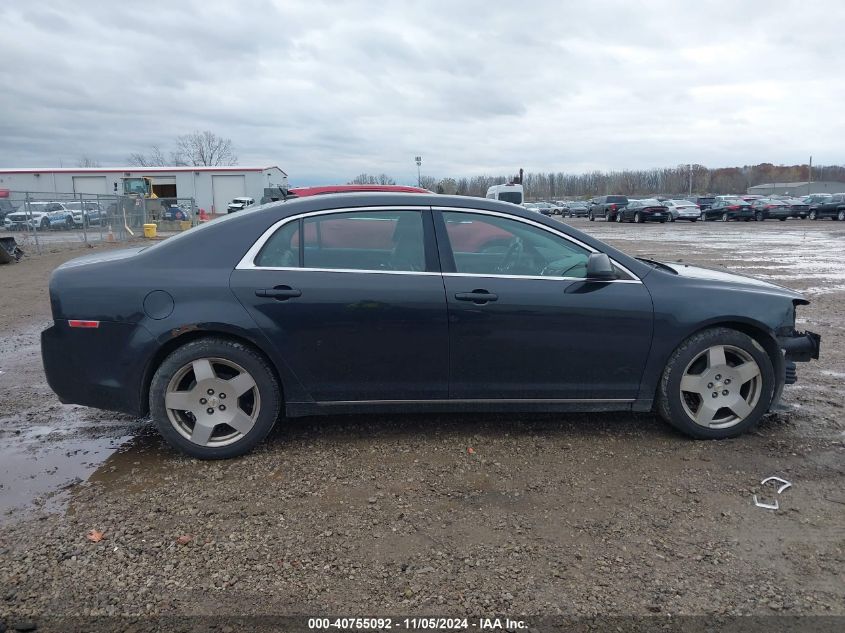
(492, 245)
(365, 240)
(282, 249)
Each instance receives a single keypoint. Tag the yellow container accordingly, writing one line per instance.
(150, 230)
(184, 225)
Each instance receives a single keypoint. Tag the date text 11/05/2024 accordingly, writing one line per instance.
(423, 623)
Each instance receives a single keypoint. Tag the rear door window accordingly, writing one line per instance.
(350, 240)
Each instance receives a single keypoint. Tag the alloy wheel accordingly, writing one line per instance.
(813, 215)
(724, 217)
(721, 386)
(841, 215)
(212, 402)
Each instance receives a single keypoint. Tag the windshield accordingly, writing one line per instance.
(511, 196)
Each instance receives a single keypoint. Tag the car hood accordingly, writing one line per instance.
(725, 277)
(102, 257)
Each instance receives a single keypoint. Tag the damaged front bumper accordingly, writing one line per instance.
(799, 347)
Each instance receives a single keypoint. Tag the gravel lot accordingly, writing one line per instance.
(451, 515)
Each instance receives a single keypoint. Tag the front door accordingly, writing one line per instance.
(523, 322)
(352, 304)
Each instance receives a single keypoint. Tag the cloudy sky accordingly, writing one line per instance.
(327, 90)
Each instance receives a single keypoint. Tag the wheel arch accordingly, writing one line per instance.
(758, 332)
(195, 334)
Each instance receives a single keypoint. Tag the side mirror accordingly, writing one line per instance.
(599, 268)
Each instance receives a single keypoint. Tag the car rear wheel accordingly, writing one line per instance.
(638, 218)
(619, 217)
(214, 398)
(759, 216)
(703, 216)
(813, 215)
(725, 217)
(841, 215)
(717, 384)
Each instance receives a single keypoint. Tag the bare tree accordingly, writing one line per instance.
(87, 161)
(155, 158)
(428, 182)
(369, 179)
(205, 149)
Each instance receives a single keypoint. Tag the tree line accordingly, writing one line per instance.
(631, 182)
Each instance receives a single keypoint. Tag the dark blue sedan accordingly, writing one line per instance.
(409, 303)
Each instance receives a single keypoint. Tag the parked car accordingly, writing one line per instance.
(239, 204)
(682, 210)
(799, 208)
(313, 301)
(639, 211)
(85, 213)
(728, 208)
(6, 207)
(40, 216)
(606, 207)
(555, 207)
(817, 197)
(833, 208)
(544, 207)
(577, 209)
(306, 192)
(703, 202)
(765, 208)
(532, 206)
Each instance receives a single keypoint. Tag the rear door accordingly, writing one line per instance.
(353, 303)
(523, 322)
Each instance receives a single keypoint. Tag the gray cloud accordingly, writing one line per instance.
(327, 90)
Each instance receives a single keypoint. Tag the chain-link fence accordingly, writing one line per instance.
(48, 220)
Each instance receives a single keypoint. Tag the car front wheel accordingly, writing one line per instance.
(725, 217)
(717, 384)
(214, 398)
(841, 215)
(703, 216)
(813, 215)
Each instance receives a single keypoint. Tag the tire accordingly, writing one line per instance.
(607, 216)
(758, 217)
(841, 215)
(69, 224)
(219, 360)
(813, 215)
(638, 218)
(724, 217)
(592, 219)
(619, 218)
(45, 224)
(681, 407)
(703, 216)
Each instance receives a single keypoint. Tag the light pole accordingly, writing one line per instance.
(418, 160)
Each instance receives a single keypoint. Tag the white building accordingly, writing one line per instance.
(212, 187)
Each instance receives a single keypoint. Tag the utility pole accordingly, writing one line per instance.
(418, 160)
(810, 177)
(690, 179)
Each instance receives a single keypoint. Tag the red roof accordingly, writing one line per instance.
(302, 192)
(113, 170)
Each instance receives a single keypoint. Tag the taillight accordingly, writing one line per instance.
(83, 324)
(733, 208)
(613, 207)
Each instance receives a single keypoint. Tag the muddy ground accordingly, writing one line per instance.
(548, 514)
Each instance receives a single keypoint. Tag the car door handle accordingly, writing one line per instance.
(280, 293)
(477, 296)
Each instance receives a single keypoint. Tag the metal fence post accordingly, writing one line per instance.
(29, 224)
(84, 219)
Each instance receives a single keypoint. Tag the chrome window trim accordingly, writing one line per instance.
(247, 262)
(569, 238)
